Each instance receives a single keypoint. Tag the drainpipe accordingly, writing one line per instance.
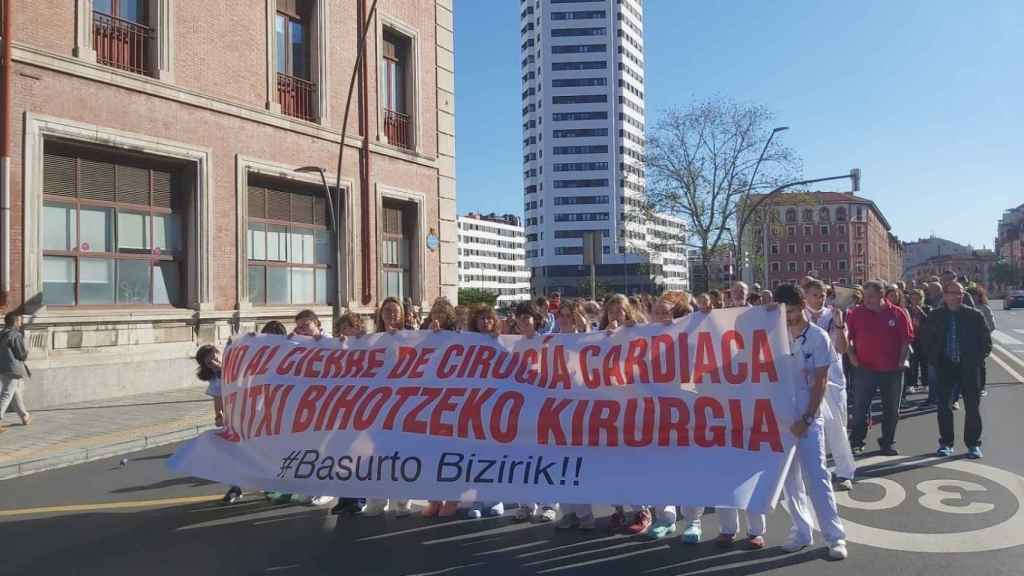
(364, 176)
(5, 155)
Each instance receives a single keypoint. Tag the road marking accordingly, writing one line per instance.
(934, 497)
(1007, 534)
(894, 495)
(108, 506)
(1004, 338)
(1013, 373)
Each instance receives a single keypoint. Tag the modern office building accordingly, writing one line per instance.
(155, 202)
(492, 256)
(583, 147)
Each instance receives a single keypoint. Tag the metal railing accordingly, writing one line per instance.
(297, 97)
(121, 43)
(397, 129)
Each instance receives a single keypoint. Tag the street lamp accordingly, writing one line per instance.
(853, 176)
(334, 228)
(327, 191)
(753, 176)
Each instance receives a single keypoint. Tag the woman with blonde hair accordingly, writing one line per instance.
(390, 318)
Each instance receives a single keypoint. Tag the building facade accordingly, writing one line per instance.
(837, 237)
(976, 265)
(583, 145)
(1009, 245)
(155, 201)
(492, 256)
(923, 249)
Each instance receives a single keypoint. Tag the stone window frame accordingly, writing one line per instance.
(162, 12)
(319, 68)
(199, 293)
(418, 243)
(346, 241)
(416, 109)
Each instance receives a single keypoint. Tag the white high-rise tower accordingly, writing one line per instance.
(583, 146)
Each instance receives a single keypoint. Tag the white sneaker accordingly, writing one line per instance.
(794, 545)
(844, 485)
(402, 508)
(837, 550)
(375, 507)
(321, 500)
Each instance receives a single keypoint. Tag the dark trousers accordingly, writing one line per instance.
(890, 387)
(965, 377)
(918, 370)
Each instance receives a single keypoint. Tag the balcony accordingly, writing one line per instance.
(297, 97)
(121, 43)
(397, 129)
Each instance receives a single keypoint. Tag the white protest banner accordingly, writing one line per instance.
(696, 413)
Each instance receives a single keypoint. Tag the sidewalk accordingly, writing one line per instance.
(74, 433)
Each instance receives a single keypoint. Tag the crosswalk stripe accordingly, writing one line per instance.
(1019, 330)
(1002, 363)
(1004, 338)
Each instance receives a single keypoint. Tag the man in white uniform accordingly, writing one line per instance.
(832, 322)
(812, 348)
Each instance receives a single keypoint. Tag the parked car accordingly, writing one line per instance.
(1014, 299)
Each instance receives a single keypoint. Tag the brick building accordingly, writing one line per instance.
(154, 199)
(1009, 245)
(838, 237)
(975, 265)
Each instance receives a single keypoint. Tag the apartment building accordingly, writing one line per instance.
(492, 256)
(156, 201)
(835, 236)
(583, 146)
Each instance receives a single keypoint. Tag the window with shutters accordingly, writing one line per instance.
(289, 247)
(395, 251)
(396, 81)
(112, 229)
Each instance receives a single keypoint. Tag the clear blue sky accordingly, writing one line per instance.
(926, 97)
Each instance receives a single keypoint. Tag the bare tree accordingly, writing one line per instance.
(702, 163)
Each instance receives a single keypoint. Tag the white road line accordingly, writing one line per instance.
(1008, 354)
(1004, 338)
(1013, 373)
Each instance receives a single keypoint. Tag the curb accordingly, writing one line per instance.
(82, 455)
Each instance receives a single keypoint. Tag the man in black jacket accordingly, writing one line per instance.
(957, 341)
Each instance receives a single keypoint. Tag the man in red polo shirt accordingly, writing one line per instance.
(880, 336)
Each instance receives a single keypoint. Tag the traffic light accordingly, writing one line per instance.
(855, 178)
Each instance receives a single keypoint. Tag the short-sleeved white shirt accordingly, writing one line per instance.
(813, 350)
(825, 321)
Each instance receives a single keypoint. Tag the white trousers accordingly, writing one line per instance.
(808, 483)
(835, 431)
(668, 514)
(729, 521)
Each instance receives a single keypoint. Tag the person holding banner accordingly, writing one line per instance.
(443, 317)
(668, 308)
(729, 518)
(390, 319)
(808, 474)
(529, 317)
(571, 320)
(618, 313)
(831, 321)
(484, 320)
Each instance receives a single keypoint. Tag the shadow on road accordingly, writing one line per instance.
(188, 481)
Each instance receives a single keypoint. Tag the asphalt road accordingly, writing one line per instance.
(911, 514)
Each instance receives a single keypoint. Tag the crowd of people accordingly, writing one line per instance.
(884, 339)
